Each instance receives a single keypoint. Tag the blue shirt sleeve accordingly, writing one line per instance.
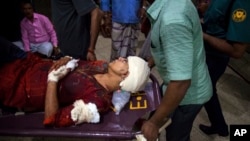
(105, 5)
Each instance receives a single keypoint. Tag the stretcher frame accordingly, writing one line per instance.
(111, 126)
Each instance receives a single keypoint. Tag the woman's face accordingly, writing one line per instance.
(119, 66)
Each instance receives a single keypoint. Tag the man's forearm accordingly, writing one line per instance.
(96, 16)
(174, 94)
(233, 49)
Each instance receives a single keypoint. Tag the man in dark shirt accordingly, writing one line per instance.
(77, 24)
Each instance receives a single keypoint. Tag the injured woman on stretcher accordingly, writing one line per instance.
(69, 91)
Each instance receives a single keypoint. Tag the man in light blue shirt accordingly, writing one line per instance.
(178, 52)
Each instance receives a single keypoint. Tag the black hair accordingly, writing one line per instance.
(23, 2)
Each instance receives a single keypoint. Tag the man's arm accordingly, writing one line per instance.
(105, 6)
(50, 29)
(96, 16)
(175, 92)
(233, 49)
(25, 37)
(144, 6)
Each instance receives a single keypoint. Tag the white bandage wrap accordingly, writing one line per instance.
(83, 112)
(56, 74)
(68, 57)
(72, 64)
(140, 137)
(138, 75)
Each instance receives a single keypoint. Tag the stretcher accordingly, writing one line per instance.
(111, 126)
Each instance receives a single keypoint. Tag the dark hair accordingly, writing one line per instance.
(23, 2)
(27, 2)
(206, 1)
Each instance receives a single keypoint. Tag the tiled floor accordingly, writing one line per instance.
(242, 66)
(234, 94)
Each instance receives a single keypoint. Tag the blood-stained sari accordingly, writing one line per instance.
(23, 85)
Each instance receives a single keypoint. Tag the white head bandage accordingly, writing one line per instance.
(138, 74)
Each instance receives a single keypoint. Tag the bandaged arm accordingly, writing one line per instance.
(51, 101)
(79, 111)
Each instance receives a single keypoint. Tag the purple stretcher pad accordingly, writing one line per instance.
(111, 126)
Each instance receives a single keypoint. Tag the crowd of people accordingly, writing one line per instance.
(189, 42)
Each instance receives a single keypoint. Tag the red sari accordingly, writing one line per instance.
(23, 85)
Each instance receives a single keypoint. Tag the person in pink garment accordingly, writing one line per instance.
(38, 34)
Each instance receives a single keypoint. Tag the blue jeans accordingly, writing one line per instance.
(45, 48)
(182, 122)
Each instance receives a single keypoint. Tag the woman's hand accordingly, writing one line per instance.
(62, 61)
(58, 74)
(72, 64)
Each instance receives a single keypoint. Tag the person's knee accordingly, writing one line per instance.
(46, 49)
(19, 44)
